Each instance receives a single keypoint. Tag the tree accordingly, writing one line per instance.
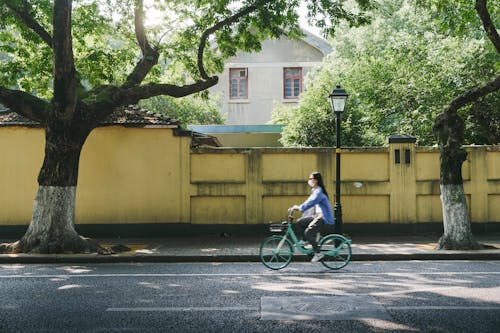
(412, 95)
(91, 74)
(401, 72)
(189, 110)
(449, 131)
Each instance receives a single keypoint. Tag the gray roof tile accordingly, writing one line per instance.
(130, 116)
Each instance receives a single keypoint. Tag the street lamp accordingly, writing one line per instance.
(338, 97)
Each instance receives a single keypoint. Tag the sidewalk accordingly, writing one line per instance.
(227, 248)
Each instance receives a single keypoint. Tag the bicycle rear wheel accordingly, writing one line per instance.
(337, 251)
(276, 252)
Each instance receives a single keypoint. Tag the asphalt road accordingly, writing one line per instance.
(415, 296)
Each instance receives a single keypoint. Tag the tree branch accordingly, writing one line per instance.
(217, 26)
(29, 21)
(149, 55)
(106, 98)
(135, 94)
(473, 95)
(65, 80)
(24, 104)
(489, 27)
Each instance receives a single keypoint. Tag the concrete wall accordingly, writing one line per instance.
(148, 175)
(257, 185)
(21, 156)
(127, 175)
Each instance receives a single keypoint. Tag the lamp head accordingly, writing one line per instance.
(338, 98)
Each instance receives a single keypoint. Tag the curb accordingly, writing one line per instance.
(95, 258)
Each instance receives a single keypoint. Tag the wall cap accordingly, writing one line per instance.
(402, 138)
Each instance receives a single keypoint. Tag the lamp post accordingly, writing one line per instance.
(338, 98)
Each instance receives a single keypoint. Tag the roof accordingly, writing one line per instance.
(199, 139)
(237, 128)
(130, 116)
(10, 118)
(317, 42)
(402, 138)
(309, 38)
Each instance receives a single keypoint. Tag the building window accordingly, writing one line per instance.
(292, 79)
(238, 87)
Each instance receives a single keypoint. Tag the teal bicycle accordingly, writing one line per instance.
(277, 251)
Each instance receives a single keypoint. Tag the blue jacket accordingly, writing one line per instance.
(318, 197)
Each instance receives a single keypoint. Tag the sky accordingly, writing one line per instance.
(154, 17)
(303, 20)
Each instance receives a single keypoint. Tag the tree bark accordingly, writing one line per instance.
(66, 128)
(456, 221)
(449, 129)
(490, 29)
(51, 229)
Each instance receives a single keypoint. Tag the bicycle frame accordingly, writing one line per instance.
(295, 241)
(276, 251)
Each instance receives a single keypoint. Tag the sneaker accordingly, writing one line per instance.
(317, 257)
(303, 243)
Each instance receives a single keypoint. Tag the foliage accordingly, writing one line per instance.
(312, 123)
(400, 72)
(97, 51)
(189, 110)
(105, 46)
(458, 17)
(68, 64)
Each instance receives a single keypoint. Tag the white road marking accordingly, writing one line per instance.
(271, 274)
(444, 307)
(409, 291)
(183, 309)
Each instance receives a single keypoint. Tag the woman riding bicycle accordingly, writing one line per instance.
(311, 224)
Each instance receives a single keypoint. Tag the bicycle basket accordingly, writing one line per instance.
(277, 227)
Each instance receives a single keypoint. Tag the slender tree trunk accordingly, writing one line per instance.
(449, 129)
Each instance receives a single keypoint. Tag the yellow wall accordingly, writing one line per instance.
(21, 156)
(134, 175)
(130, 175)
(127, 175)
(374, 188)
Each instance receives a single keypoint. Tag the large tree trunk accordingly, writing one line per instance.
(52, 226)
(456, 221)
(449, 129)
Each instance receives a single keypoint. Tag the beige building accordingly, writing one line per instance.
(252, 83)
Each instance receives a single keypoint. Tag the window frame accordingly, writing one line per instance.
(239, 79)
(292, 77)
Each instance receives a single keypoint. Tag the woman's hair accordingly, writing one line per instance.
(316, 175)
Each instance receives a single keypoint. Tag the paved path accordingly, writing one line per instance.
(223, 248)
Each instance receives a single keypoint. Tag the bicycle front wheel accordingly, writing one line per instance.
(276, 252)
(337, 251)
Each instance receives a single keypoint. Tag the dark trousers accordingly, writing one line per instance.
(309, 229)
